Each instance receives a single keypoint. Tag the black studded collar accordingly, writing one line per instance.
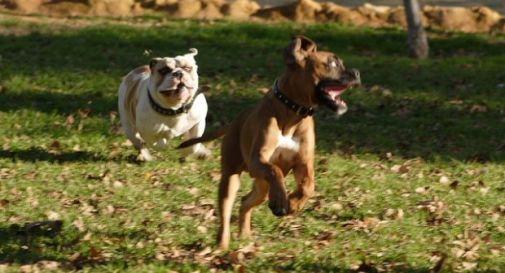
(293, 106)
(171, 112)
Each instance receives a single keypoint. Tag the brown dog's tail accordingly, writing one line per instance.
(205, 137)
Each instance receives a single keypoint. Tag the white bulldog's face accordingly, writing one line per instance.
(174, 80)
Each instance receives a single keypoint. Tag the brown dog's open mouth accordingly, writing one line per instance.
(328, 93)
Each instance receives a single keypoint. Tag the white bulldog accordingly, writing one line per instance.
(161, 101)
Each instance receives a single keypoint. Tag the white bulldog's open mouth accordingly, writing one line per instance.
(168, 92)
(176, 91)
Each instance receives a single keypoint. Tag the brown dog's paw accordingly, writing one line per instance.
(297, 202)
(279, 204)
(294, 205)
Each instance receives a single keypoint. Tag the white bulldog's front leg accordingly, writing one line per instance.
(198, 149)
(160, 144)
(138, 142)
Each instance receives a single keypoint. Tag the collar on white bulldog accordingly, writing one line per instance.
(293, 106)
(171, 112)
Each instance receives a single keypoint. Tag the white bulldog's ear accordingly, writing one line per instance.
(298, 50)
(193, 52)
(153, 62)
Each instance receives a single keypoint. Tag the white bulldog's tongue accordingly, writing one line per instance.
(184, 93)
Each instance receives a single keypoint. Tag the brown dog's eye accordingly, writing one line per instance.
(187, 68)
(165, 70)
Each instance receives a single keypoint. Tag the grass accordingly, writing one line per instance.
(411, 179)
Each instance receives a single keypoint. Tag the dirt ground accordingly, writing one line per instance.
(467, 19)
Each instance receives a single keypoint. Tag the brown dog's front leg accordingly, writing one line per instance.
(304, 176)
(277, 195)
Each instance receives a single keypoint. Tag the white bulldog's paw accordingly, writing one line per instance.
(160, 144)
(202, 153)
(144, 155)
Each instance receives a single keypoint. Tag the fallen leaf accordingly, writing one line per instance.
(86, 237)
(194, 191)
(79, 224)
(95, 254)
(469, 266)
(74, 257)
(84, 113)
(422, 190)
(478, 108)
(205, 251)
(160, 257)
(263, 90)
(444, 180)
(440, 260)
(215, 175)
(69, 122)
(52, 215)
(202, 229)
(236, 257)
(112, 116)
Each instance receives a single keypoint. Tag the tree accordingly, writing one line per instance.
(417, 41)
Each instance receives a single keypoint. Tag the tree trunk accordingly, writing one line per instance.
(418, 43)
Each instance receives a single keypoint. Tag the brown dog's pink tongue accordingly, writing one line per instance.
(335, 88)
(335, 91)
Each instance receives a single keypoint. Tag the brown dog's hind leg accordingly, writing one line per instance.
(228, 188)
(304, 177)
(255, 197)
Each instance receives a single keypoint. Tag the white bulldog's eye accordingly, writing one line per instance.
(165, 70)
(187, 68)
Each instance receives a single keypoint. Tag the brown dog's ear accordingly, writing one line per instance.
(299, 48)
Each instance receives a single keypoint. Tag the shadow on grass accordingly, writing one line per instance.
(47, 101)
(364, 267)
(416, 122)
(29, 245)
(34, 154)
(410, 129)
(19, 243)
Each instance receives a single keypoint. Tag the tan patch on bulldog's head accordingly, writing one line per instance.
(174, 80)
(132, 81)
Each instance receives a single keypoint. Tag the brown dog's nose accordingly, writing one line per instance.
(177, 74)
(354, 73)
(355, 76)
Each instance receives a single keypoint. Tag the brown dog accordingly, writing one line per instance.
(277, 136)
